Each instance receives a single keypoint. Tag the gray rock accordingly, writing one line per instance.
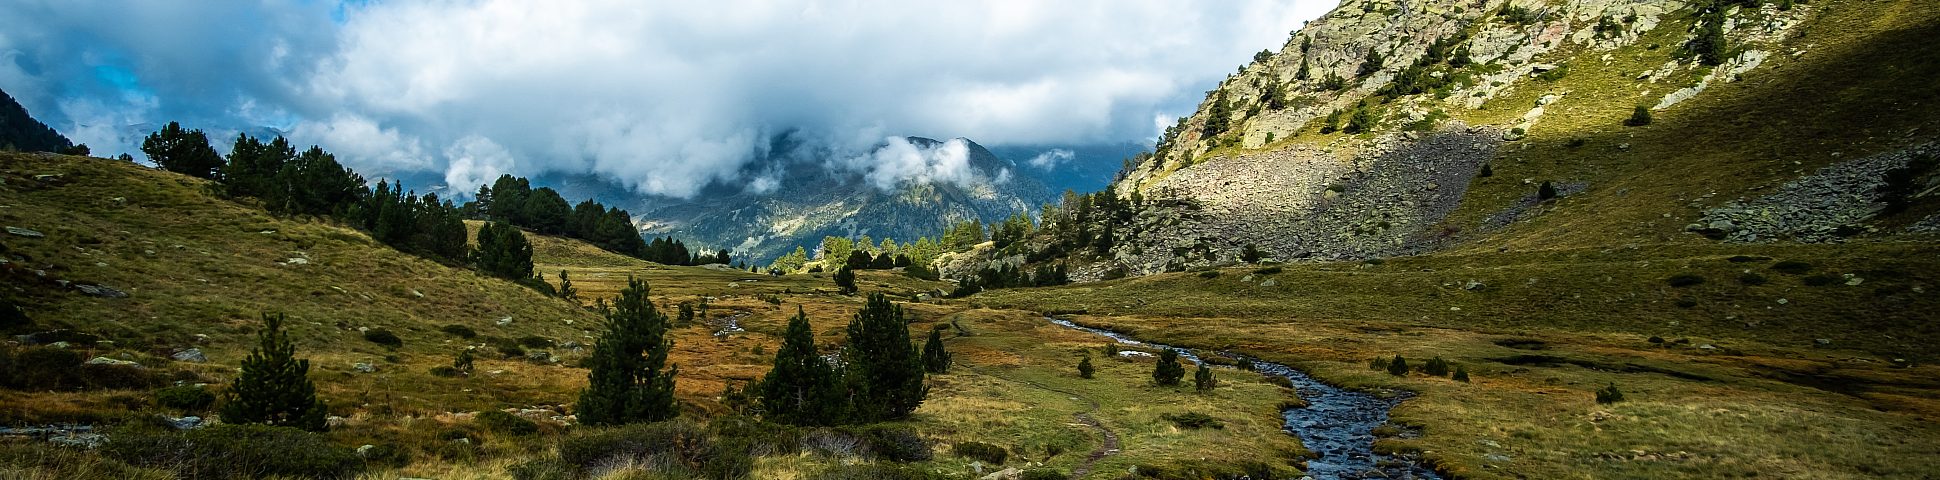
(363, 367)
(183, 423)
(110, 361)
(505, 321)
(79, 440)
(1474, 285)
(102, 291)
(190, 355)
(22, 232)
(1822, 341)
(1270, 282)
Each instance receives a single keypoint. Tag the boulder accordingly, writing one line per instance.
(23, 232)
(110, 361)
(363, 367)
(102, 291)
(190, 355)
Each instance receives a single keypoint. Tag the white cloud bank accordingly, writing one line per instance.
(663, 97)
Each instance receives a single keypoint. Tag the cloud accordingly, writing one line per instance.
(663, 97)
(899, 160)
(1051, 158)
(475, 161)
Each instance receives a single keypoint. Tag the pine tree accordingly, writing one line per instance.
(182, 151)
(1487, 171)
(1545, 191)
(1218, 117)
(1638, 117)
(1169, 371)
(1398, 367)
(1203, 380)
(566, 289)
(274, 387)
(883, 373)
(1609, 394)
(1461, 374)
(845, 279)
(504, 252)
(935, 358)
(463, 363)
(627, 383)
(801, 389)
(1084, 367)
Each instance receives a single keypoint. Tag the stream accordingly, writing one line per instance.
(1335, 425)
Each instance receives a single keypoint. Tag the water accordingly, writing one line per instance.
(1335, 425)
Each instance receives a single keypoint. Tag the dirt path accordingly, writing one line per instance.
(1106, 448)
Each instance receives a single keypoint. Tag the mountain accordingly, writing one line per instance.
(20, 131)
(1080, 168)
(956, 180)
(1403, 128)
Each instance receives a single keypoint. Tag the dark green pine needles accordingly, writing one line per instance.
(1169, 371)
(936, 359)
(802, 389)
(629, 381)
(885, 377)
(274, 387)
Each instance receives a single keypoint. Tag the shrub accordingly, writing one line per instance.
(383, 337)
(876, 471)
(1821, 280)
(236, 451)
(40, 368)
(1203, 380)
(896, 444)
(1398, 367)
(1461, 374)
(1194, 420)
(1209, 274)
(1751, 279)
(983, 452)
(1045, 474)
(191, 398)
(1084, 367)
(1638, 117)
(1487, 171)
(1684, 280)
(497, 421)
(444, 371)
(1436, 366)
(1378, 363)
(387, 455)
(1609, 395)
(460, 330)
(535, 341)
(1545, 191)
(678, 448)
(1791, 267)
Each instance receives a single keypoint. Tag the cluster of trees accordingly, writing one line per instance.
(878, 377)
(513, 200)
(313, 183)
(1420, 76)
(19, 131)
(504, 252)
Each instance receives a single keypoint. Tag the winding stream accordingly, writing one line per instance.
(1335, 425)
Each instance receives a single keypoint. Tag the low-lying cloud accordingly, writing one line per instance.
(663, 97)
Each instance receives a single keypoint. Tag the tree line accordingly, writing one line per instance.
(513, 200)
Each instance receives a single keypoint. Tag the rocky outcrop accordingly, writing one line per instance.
(1306, 202)
(1827, 206)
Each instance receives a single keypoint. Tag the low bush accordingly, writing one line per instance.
(41, 461)
(446, 371)
(459, 330)
(383, 337)
(498, 421)
(1267, 270)
(1746, 258)
(1792, 267)
(535, 341)
(386, 455)
(1751, 279)
(236, 451)
(1193, 420)
(876, 471)
(676, 448)
(1608, 395)
(1821, 280)
(1684, 280)
(1045, 474)
(1209, 274)
(896, 444)
(987, 453)
(190, 398)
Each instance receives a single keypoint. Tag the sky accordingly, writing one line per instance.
(660, 97)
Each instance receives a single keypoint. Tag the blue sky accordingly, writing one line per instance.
(661, 97)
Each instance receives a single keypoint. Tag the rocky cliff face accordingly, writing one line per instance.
(1363, 132)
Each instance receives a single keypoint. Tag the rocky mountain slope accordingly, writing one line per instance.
(1398, 128)
(809, 201)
